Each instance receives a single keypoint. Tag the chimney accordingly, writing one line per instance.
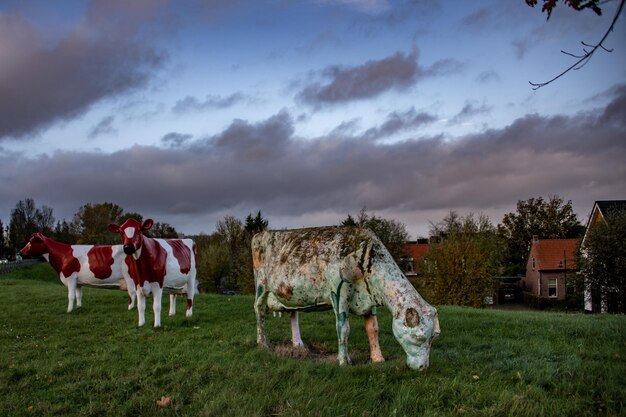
(535, 238)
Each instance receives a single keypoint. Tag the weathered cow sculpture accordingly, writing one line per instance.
(83, 265)
(349, 270)
(158, 265)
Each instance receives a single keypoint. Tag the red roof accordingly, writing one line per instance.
(554, 253)
(416, 250)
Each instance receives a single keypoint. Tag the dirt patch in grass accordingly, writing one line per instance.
(315, 352)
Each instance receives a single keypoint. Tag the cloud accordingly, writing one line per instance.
(191, 103)
(399, 122)
(264, 165)
(478, 18)
(521, 48)
(104, 127)
(373, 7)
(487, 76)
(101, 57)
(470, 109)
(175, 140)
(396, 72)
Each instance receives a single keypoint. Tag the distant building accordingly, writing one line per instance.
(597, 216)
(416, 253)
(549, 263)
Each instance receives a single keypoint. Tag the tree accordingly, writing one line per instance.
(214, 262)
(27, 219)
(349, 221)
(603, 265)
(162, 231)
(65, 232)
(392, 233)
(256, 224)
(582, 59)
(232, 234)
(550, 219)
(91, 223)
(3, 242)
(462, 264)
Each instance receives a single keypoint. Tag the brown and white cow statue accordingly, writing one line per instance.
(158, 265)
(349, 270)
(83, 265)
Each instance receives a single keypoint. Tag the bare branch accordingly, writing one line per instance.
(583, 59)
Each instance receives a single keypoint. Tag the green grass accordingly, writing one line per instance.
(95, 361)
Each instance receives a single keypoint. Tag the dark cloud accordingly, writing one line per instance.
(266, 166)
(399, 122)
(175, 140)
(104, 127)
(44, 80)
(396, 72)
(190, 103)
(470, 109)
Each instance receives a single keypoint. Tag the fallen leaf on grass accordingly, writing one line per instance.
(164, 402)
(475, 378)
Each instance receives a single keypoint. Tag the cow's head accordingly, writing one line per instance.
(36, 246)
(131, 232)
(415, 329)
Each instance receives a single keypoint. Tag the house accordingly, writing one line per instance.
(597, 216)
(549, 263)
(416, 253)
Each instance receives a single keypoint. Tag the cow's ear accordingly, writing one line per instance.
(37, 237)
(113, 228)
(146, 225)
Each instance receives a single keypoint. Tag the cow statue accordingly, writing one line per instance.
(158, 265)
(349, 270)
(83, 265)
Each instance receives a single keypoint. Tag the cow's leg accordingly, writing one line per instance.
(371, 327)
(340, 307)
(260, 308)
(172, 304)
(141, 306)
(79, 296)
(295, 330)
(191, 292)
(132, 295)
(71, 293)
(157, 294)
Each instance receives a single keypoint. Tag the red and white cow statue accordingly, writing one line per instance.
(83, 265)
(158, 265)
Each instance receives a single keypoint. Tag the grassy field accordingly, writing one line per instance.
(97, 362)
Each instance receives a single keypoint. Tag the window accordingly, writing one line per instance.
(552, 288)
(533, 261)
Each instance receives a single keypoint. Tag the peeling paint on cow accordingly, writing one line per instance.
(411, 318)
(344, 268)
(284, 291)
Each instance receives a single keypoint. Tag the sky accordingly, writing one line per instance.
(307, 110)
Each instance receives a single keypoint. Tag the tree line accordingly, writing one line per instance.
(88, 226)
(465, 255)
